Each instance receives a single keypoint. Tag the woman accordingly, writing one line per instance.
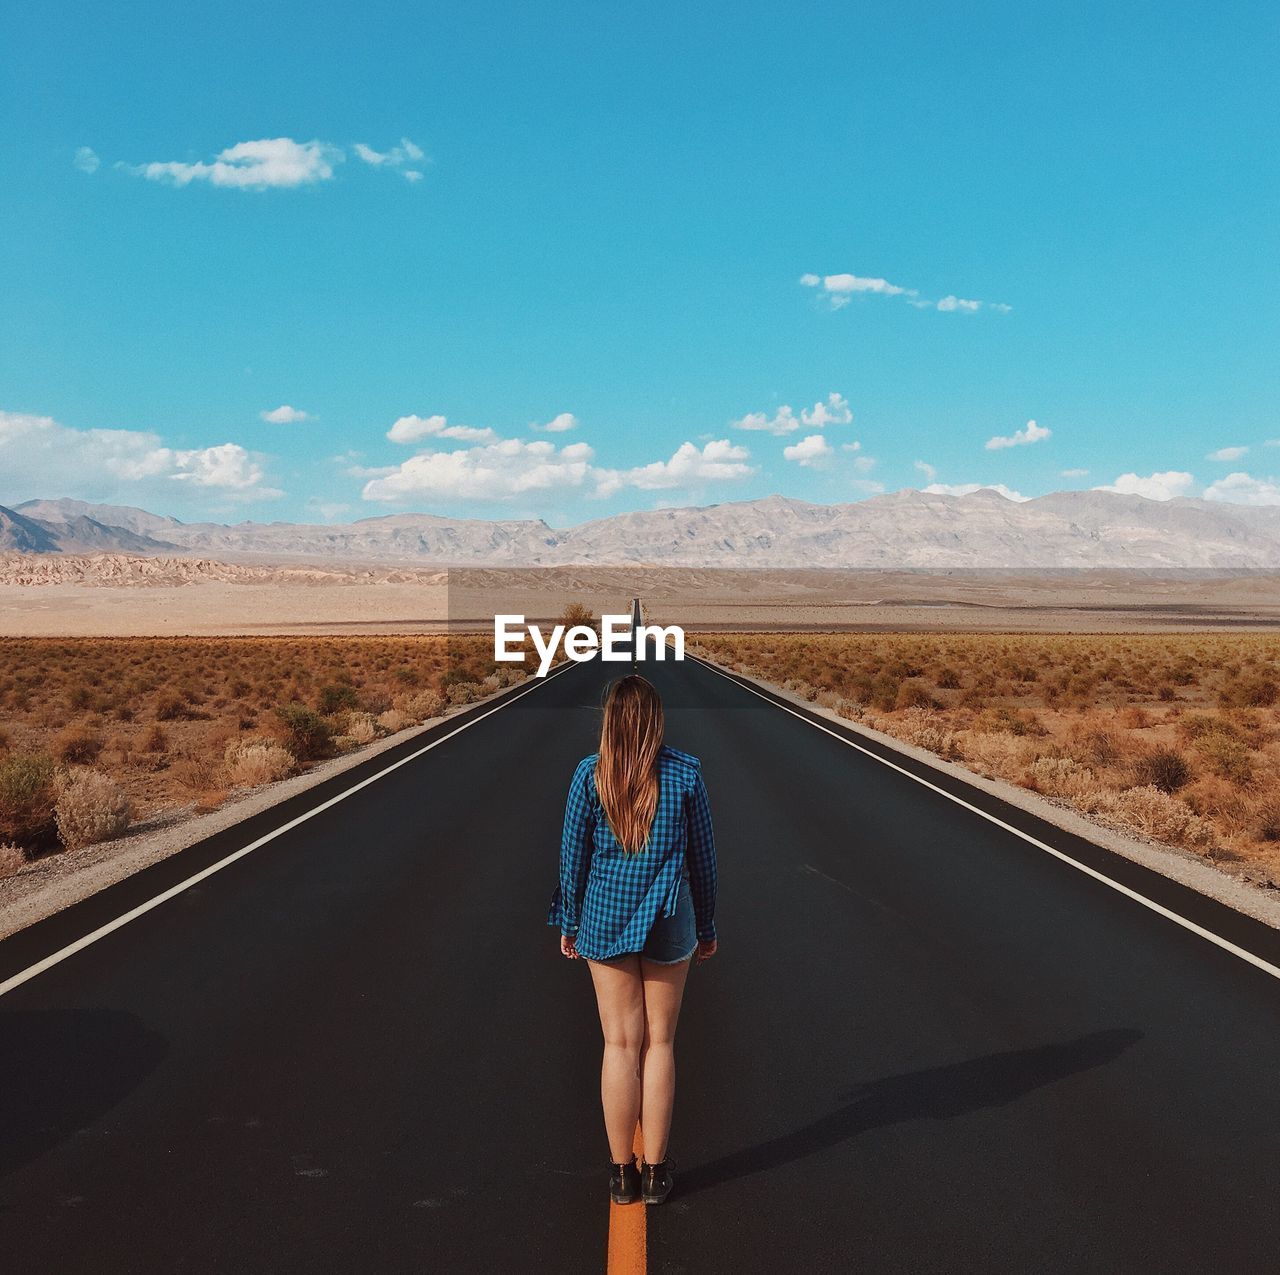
(636, 900)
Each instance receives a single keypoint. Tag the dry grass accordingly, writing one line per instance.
(186, 721)
(1175, 736)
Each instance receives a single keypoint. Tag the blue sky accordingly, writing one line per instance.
(666, 226)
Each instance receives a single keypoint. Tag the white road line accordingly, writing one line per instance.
(111, 926)
(1216, 939)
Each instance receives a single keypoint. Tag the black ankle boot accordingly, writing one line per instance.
(656, 1181)
(624, 1182)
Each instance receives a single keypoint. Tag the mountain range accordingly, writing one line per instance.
(908, 528)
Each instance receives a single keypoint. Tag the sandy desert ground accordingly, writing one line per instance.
(109, 595)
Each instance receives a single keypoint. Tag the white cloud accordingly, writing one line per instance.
(40, 456)
(269, 162)
(813, 451)
(717, 461)
(498, 471)
(227, 466)
(783, 421)
(929, 471)
(855, 283)
(512, 467)
(868, 485)
(838, 290)
(1242, 489)
(86, 160)
(410, 429)
(285, 415)
(1032, 433)
(965, 489)
(397, 157)
(559, 424)
(1228, 453)
(1158, 486)
(834, 411)
(1072, 473)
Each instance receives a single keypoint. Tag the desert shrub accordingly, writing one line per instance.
(12, 859)
(250, 762)
(1061, 777)
(1135, 717)
(91, 807)
(394, 720)
(1227, 756)
(196, 768)
(306, 734)
(77, 745)
(1163, 768)
(1014, 721)
(1259, 691)
(1163, 817)
(948, 679)
(1096, 743)
(925, 728)
(1266, 825)
(884, 692)
(155, 740)
(4, 740)
(1196, 726)
(995, 755)
(913, 694)
(169, 707)
(373, 700)
(423, 705)
(81, 696)
(578, 613)
(463, 692)
(362, 728)
(26, 801)
(335, 697)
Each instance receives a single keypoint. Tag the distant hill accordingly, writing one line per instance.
(907, 528)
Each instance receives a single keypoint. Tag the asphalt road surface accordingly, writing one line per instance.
(925, 1045)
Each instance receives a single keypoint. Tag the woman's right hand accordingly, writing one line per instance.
(706, 950)
(569, 947)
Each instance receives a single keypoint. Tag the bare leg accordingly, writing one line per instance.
(620, 997)
(663, 992)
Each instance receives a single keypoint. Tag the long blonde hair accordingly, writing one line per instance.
(627, 770)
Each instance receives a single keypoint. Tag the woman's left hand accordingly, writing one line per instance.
(569, 947)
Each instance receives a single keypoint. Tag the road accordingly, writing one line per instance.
(926, 1045)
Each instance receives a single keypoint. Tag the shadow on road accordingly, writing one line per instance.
(60, 1070)
(940, 1093)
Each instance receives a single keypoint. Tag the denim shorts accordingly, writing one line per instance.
(673, 938)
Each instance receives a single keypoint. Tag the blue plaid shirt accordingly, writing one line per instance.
(608, 897)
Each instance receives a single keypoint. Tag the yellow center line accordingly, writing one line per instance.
(627, 1247)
